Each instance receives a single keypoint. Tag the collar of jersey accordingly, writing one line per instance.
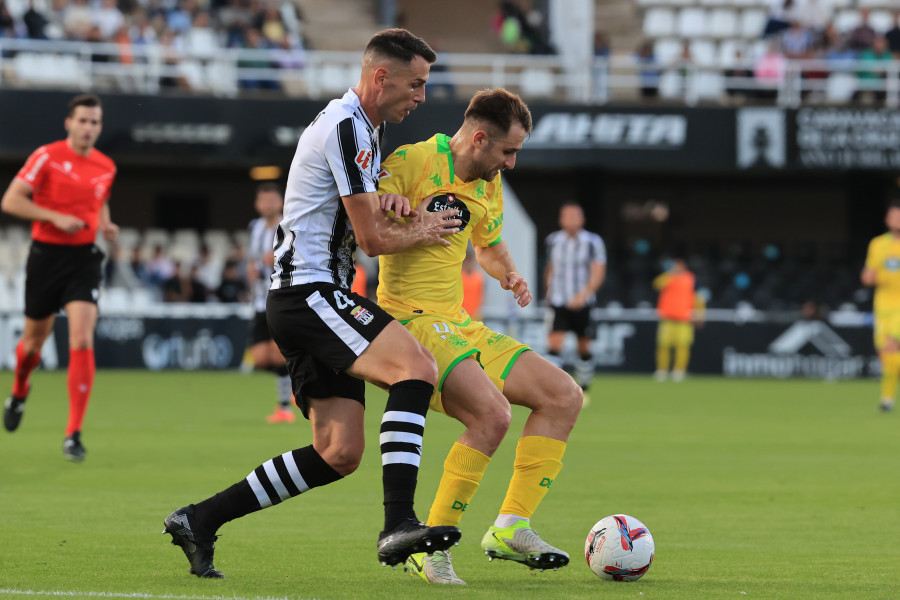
(443, 146)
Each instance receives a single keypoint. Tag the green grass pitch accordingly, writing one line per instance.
(751, 489)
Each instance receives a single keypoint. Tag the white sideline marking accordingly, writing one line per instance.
(132, 595)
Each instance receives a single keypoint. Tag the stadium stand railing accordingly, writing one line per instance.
(321, 74)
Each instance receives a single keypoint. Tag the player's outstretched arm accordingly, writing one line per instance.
(497, 261)
(376, 233)
(17, 202)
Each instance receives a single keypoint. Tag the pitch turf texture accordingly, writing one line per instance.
(752, 489)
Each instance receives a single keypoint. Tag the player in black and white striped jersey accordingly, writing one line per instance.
(576, 268)
(264, 352)
(333, 339)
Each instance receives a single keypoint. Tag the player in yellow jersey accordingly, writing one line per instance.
(480, 371)
(882, 271)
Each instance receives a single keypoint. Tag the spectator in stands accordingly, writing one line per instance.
(812, 15)
(253, 40)
(118, 272)
(183, 287)
(207, 273)
(141, 31)
(739, 70)
(769, 72)
(108, 18)
(200, 41)
(797, 41)
(602, 51)
(137, 265)
(35, 23)
(235, 19)
(7, 25)
(893, 35)
(863, 36)
(780, 15)
(159, 268)
(878, 53)
(649, 73)
(233, 287)
(173, 77)
(77, 19)
(179, 19)
(270, 24)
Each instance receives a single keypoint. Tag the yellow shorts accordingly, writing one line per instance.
(675, 333)
(887, 324)
(451, 342)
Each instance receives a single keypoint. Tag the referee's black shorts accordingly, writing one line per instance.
(321, 329)
(56, 274)
(576, 321)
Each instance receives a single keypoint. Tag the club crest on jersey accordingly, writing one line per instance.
(892, 264)
(447, 201)
(362, 315)
(364, 158)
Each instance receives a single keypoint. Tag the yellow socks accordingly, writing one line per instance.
(682, 356)
(890, 372)
(463, 469)
(538, 462)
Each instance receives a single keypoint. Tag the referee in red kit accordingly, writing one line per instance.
(63, 189)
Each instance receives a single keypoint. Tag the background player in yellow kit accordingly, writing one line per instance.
(882, 271)
(480, 372)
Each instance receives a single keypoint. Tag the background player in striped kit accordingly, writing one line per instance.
(332, 338)
(63, 189)
(260, 265)
(576, 268)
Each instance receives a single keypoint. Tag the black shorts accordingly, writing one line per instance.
(321, 329)
(259, 329)
(577, 321)
(56, 274)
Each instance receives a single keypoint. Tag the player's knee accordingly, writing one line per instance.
(81, 342)
(421, 366)
(496, 421)
(32, 345)
(564, 398)
(343, 459)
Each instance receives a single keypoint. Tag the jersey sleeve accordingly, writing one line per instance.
(487, 232)
(872, 255)
(34, 171)
(350, 158)
(599, 250)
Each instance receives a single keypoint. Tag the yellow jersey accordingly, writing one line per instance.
(428, 279)
(884, 258)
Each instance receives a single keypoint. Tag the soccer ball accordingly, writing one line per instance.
(620, 548)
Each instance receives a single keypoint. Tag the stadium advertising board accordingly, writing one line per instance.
(152, 343)
(207, 131)
(812, 349)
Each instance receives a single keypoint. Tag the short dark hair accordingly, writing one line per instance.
(574, 203)
(894, 203)
(269, 186)
(401, 45)
(500, 108)
(89, 100)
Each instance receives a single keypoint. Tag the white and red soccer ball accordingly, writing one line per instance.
(620, 548)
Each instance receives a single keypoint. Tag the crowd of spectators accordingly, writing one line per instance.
(172, 280)
(793, 30)
(189, 33)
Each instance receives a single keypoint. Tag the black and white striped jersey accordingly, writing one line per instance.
(339, 154)
(262, 239)
(570, 258)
